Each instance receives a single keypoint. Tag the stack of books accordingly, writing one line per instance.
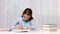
(49, 27)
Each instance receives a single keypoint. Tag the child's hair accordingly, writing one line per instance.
(28, 11)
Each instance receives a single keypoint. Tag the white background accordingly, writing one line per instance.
(44, 11)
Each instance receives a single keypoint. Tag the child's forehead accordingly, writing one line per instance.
(27, 14)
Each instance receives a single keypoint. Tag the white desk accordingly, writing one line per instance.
(32, 32)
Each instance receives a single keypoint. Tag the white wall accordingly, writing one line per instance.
(44, 11)
(3, 13)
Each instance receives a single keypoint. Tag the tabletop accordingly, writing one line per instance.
(30, 32)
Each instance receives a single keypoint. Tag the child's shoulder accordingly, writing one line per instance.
(20, 18)
(32, 20)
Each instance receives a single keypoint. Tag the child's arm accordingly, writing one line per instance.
(14, 23)
(33, 25)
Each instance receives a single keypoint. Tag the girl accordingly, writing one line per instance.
(25, 22)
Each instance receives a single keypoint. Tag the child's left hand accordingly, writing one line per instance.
(27, 28)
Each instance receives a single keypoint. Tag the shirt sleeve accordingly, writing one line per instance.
(33, 24)
(12, 25)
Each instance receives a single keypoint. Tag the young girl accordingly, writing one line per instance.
(25, 22)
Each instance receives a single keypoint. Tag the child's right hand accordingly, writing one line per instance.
(27, 28)
(18, 27)
(22, 28)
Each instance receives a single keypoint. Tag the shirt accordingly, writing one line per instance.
(20, 21)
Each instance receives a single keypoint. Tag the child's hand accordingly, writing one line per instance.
(18, 27)
(22, 28)
(27, 28)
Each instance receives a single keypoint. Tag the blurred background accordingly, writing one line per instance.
(44, 11)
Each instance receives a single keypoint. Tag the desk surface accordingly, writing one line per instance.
(31, 32)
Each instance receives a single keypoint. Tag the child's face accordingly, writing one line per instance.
(26, 17)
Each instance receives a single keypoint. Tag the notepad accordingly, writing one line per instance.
(20, 30)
